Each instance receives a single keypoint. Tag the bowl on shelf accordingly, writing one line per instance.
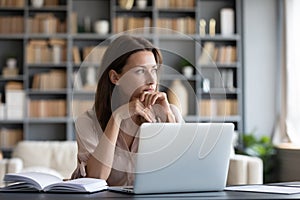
(37, 3)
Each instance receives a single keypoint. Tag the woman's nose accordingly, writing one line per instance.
(151, 78)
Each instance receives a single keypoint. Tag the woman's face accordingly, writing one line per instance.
(138, 75)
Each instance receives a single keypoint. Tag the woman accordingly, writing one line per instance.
(127, 95)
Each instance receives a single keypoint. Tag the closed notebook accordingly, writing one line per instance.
(42, 182)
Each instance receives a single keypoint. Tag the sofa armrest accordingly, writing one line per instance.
(9, 166)
(14, 165)
(3, 167)
(245, 170)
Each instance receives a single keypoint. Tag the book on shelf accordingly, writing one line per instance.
(221, 54)
(123, 23)
(182, 24)
(166, 4)
(9, 137)
(51, 2)
(76, 55)
(93, 54)
(12, 3)
(52, 80)
(218, 107)
(42, 182)
(47, 108)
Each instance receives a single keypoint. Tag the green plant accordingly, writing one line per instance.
(184, 62)
(263, 148)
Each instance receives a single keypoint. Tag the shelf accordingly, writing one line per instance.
(11, 8)
(90, 36)
(222, 91)
(12, 36)
(16, 78)
(47, 65)
(218, 65)
(212, 119)
(47, 92)
(11, 121)
(47, 36)
(176, 10)
(219, 37)
(221, 118)
(174, 46)
(48, 120)
(60, 8)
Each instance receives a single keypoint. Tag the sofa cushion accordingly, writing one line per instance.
(64, 157)
(60, 156)
(33, 153)
(43, 170)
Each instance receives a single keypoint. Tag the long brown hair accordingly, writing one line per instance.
(115, 58)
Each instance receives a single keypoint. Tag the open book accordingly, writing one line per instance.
(37, 181)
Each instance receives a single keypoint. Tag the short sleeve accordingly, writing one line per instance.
(88, 132)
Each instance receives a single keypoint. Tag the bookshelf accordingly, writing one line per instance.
(51, 44)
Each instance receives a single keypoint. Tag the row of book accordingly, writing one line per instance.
(182, 24)
(47, 108)
(21, 3)
(52, 80)
(88, 54)
(218, 107)
(11, 24)
(46, 23)
(123, 23)
(10, 137)
(12, 3)
(46, 51)
(175, 4)
(222, 54)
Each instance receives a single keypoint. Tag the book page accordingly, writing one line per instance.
(78, 185)
(36, 179)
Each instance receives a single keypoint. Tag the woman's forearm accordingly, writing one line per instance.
(100, 162)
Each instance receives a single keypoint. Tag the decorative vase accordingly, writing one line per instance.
(178, 95)
(101, 27)
(141, 4)
(37, 3)
(227, 21)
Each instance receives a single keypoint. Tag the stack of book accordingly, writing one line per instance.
(218, 107)
(14, 98)
(182, 24)
(123, 23)
(220, 54)
(52, 80)
(12, 3)
(10, 137)
(43, 51)
(11, 24)
(166, 4)
(47, 108)
(46, 23)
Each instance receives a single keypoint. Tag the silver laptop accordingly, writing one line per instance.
(188, 157)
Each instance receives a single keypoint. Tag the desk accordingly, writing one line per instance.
(114, 195)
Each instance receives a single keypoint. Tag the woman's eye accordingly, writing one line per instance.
(155, 70)
(140, 71)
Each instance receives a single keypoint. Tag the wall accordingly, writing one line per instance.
(260, 24)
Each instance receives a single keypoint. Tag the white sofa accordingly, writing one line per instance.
(59, 158)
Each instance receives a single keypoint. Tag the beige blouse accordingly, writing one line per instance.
(88, 133)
